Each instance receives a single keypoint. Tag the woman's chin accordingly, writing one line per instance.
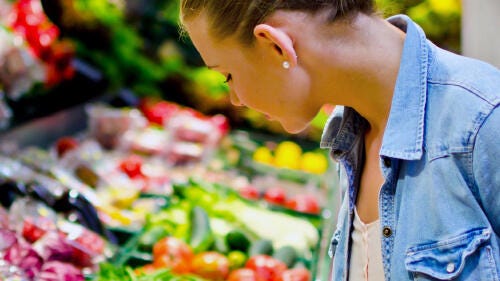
(294, 127)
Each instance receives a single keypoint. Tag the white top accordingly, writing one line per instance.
(366, 254)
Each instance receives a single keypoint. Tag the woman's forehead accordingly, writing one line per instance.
(210, 49)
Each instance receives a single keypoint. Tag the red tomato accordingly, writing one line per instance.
(65, 144)
(242, 274)
(304, 203)
(145, 269)
(91, 241)
(210, 265)
(221, 122)
(81, 257)
(132, 166)
(275, 195)
(266, 267)
(59, 62)
(32, 231)
(249, 192)
(191, 135)
(172, 253)
(295, 274)
(53, 76)
(159, 112)
(178, 266)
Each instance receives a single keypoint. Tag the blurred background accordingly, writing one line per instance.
(58, 53)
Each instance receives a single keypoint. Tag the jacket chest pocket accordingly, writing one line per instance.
(467, 256)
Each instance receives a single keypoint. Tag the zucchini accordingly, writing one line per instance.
(201, 235)
(286, 254)
(261, 247)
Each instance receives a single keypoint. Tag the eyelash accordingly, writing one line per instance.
(228, 78)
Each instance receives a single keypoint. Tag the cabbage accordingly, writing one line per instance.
(53, 246)
(11, 273)
(7, 239)
(23, 256)
(60, 271)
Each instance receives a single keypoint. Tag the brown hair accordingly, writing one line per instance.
(239, 17)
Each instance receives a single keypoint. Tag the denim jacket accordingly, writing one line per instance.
(439, 206)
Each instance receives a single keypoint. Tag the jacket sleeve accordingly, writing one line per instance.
(486, 167)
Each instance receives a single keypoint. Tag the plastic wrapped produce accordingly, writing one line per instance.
(19, 71)
(57, 271)
(7, 239)
(5, 112)
(108, 125)
(25, 257)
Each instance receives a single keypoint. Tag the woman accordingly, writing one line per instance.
(418, 133)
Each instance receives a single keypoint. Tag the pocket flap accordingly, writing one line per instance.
(445, 259)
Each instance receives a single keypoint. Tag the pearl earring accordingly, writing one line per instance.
(286, 65)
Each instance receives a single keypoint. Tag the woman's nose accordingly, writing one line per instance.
(234, 98)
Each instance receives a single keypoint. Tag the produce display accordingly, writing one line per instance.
(32, 29)
(37, 243)
(212, 222)
(289, 155)
(165, 193)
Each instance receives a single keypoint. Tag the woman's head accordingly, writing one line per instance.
(272, 51)
(239, 17)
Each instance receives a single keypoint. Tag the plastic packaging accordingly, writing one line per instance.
(5, 112)
(192, 138)
(38, 244)
(19, 70)
(108, 125)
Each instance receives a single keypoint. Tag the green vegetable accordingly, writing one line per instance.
(220, 227)
(236, 259)
(282, 229)
(201, 235)
(286, 254)
(301, 263)
(151, 236)
(237, 240)
(261, 247)
(220, 245)
(109, 272)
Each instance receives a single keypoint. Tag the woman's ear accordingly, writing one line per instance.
(278, 42)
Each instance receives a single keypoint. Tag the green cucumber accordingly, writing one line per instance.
(151, 236)
(201, 235)
(286, 254)
(261, 247)
(302, 263)
(237, 241)
(220, 245)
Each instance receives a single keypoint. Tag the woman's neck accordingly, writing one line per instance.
(357, 65)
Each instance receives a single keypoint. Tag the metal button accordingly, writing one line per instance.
(450, 267)
(387, 162)
(387, 231)
(336, 153)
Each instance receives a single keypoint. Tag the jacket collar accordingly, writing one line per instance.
(404, 133)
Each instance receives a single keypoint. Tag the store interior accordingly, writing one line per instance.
(122, 158)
